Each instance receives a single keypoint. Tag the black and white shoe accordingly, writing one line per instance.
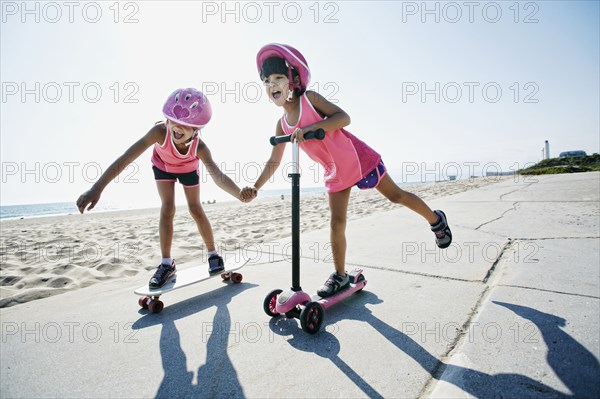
(215, 265)
(162, 275)
(334, 283)
(443, 235)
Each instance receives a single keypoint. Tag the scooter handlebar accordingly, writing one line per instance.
(318, 134)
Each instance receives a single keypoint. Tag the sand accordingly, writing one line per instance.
(40, 257)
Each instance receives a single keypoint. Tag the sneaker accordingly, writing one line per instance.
(443, 235)
(215, 265)
(334, 283)
(162, 275)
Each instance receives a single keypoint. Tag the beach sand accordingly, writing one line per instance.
(40, 257)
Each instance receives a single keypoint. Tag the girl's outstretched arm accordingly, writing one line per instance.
(337, 118)
(273, 162)
(92, 196)
(221, 179)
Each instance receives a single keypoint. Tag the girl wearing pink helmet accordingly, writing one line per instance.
(347, 161)
(176, 155)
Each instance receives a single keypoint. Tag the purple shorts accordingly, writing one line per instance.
(373, 179)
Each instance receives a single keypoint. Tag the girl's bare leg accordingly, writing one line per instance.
(192, 195)
(166, 191)
(338, 206)
(395, 194)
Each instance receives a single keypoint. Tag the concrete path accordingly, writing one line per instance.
(511, 309)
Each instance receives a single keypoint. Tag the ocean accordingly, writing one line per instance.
(37, 210)
(67, 208)
(8, 212)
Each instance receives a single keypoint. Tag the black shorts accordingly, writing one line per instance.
(190, 179)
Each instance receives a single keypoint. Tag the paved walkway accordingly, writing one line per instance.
(511, 309)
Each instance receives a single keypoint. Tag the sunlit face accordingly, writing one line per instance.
(180, 134)
(278, 87)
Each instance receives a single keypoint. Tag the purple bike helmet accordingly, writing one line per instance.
(188, 107)
(293, 58)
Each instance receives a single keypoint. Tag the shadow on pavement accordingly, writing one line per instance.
(216, 377)
(576, 367)
(323, 344)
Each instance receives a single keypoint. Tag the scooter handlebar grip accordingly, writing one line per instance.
(318, 134)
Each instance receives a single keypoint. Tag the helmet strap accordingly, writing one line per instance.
(292, 85)
(191, 140)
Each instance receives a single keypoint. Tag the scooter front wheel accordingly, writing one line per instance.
(311, 317)
(270, 302)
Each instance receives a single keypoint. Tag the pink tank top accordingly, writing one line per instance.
(345, 158)
(168, 159)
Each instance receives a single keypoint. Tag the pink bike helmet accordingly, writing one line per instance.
(293, 58)
(188, 107)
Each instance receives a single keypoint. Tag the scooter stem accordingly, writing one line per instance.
(295, 176)
(318, 134)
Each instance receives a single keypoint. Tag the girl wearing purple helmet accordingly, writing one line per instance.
(176, 155)
(347, 161)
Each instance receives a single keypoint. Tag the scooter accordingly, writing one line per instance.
(295, 303)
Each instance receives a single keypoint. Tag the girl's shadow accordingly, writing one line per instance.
(323, 344)
(216, 377)
(582, 378)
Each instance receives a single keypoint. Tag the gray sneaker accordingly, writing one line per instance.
(162, 274)
(215, 265)
(334, 283)
(443, 235)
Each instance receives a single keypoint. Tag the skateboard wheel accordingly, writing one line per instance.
(156, 306)
(143, 302)
(237, 277)
(311, 317)
(225, 276)
(270, 302)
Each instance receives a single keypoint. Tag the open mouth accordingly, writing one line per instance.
(276, 94)
(177, 136)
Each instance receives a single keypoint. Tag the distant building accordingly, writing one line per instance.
(565, 154)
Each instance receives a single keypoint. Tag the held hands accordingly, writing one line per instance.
(298, 134)
(89, 197)
(247, 194)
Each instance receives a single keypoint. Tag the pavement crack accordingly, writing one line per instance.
(491, 270)
(557, 238)
(515, 190)
(390, 269)
(514, 208)
(442, 364)
(551, 291)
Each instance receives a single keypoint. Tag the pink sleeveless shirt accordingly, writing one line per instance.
(168, 159)
(345, 158)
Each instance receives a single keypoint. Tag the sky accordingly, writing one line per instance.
(437, 88)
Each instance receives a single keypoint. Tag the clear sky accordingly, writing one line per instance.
(438, 88)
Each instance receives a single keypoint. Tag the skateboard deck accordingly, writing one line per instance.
(184, 278)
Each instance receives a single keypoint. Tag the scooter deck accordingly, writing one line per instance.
(340, 295)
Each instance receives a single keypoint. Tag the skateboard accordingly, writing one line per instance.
(183, 278)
